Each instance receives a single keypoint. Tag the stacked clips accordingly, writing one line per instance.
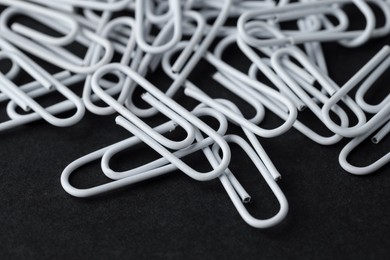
(129, 40)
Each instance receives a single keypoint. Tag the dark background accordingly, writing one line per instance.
(332, 214)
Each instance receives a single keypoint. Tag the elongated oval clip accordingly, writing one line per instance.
(198, 111)
(347, 38)
(57, 55)
(165, 104)
(302, 90)
(150, 172)
(381, 57)
(46, 80)
(32, 10)
(105, 5)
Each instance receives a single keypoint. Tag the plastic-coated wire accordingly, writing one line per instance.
(26, 102)
(381, 133)
(93, 191)
(160, 14)
(195, 39)
(321, 78)
(274, 78)
(248, 218)
(36, 84)
(32, 10)
(362, 126)
(278, 110)
(194, 60)
(269, 166)
(253, 29)
(358, 37)
(356, 170)
(198, 111)
(94, 5)
(176, 22)
(130, 116)
(168, 102)
(47, 54)
(35, 90)
(256, 119)
(21, 119)
(262, 88)
(126, 57)
(124, 181)
(366, 85)
(313, 49)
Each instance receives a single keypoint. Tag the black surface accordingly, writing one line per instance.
(332, 213)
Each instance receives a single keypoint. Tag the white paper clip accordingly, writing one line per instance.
(32, 10)
(364, 170)
(113, 150)
(110, 5)
(55, 54)
(144, 172)
(347, 38)
(362, 126)
(167, 106)
(303, 90)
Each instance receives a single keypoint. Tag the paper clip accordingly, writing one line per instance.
(56, 55)
(347, 38)
(358, 140)
(113, 150)
(362, 126)
(322, 79)
(165, 106)
(32, 10)
(35, 90)
(236, 192)
(26, 102)
(93, 191)
(110, 5)
(153, 169)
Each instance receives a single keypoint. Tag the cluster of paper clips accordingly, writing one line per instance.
(175, 35)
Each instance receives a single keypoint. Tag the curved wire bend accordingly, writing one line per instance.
(361, 127)
(356, 170)
(248, 218)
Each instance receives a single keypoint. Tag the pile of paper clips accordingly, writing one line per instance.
(175, 35)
